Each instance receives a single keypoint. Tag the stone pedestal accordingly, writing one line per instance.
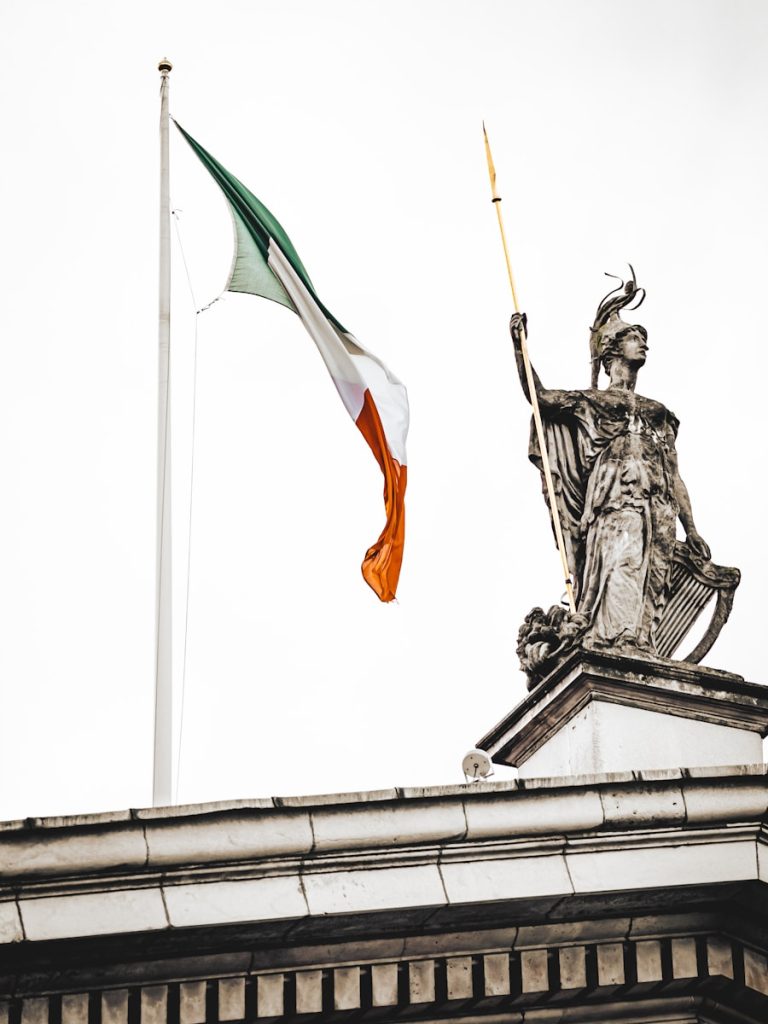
(602, 712)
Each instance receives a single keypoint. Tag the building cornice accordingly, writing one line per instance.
(443, 854)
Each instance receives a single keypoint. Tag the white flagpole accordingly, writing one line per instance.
(161, 778)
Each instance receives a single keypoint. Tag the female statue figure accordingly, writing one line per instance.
(619, 492)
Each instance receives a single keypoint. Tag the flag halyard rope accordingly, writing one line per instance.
(175, 215)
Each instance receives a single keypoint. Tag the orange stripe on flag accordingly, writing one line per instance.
(381, 565)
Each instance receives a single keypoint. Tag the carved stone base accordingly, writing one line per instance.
(601, 712)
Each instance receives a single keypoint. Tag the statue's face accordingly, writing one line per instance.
(634, 347)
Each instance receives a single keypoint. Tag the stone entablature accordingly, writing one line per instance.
(682, 974)
(584, 898)
(413, 852)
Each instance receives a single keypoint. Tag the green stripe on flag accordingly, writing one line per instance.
(254, 227)
(250, 272)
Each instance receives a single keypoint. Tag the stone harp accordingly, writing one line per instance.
(693, 585)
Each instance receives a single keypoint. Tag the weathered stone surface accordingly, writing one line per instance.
(496, 974)
(719, 956)
(454, 943)
(384, 984)
(534, 969)
(513, 878)
(756, 971)
(565, 932)
(114, 1006)
(55, 821)
(661, 925)
(472, 790)
(733, 771)
(74, 1008)
(660, 774)
(270, 995)
(192, 1002)
(697, 863)
(250, 899)
(34, 1011)
(762, 862)
(53, 851)
(567, 782)
(10, 922)
(326, 799)
(737, 800)
(230, 837)
(104, 913)
(535, 813)
(610, 964)
(421, 981)
(544, 639)
(231, 999)
(606, 737)
(397, 824)
(309, 992)
(650, 805)
(458, 974)
(331, 952)
(154, 1004)
(346, 988)
(203, 810)
(684, 963)
(573, 967)
(648, 959)
(344, 892)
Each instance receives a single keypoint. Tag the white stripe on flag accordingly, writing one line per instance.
(352, 372)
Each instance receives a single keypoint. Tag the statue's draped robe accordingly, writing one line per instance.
(612, 459)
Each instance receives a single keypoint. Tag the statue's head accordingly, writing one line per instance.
(629, 342)
(611, 337)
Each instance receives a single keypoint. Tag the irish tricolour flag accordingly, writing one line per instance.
(267, 264)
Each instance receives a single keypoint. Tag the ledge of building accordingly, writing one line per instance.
(446, 854)
(240, 830)
(355, 800)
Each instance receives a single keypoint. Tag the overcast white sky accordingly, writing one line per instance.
(622, 131)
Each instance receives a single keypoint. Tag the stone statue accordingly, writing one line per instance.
(619, 494)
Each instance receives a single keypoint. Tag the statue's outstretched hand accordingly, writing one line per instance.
(698, 545)
(518, 327)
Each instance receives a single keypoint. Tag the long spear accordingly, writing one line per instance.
(496, 200)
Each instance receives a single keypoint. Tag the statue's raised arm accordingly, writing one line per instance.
(619, 493)
(518, 329)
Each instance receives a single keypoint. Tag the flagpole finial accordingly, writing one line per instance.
(165, 67)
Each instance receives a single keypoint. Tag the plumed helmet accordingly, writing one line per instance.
(608, 325)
